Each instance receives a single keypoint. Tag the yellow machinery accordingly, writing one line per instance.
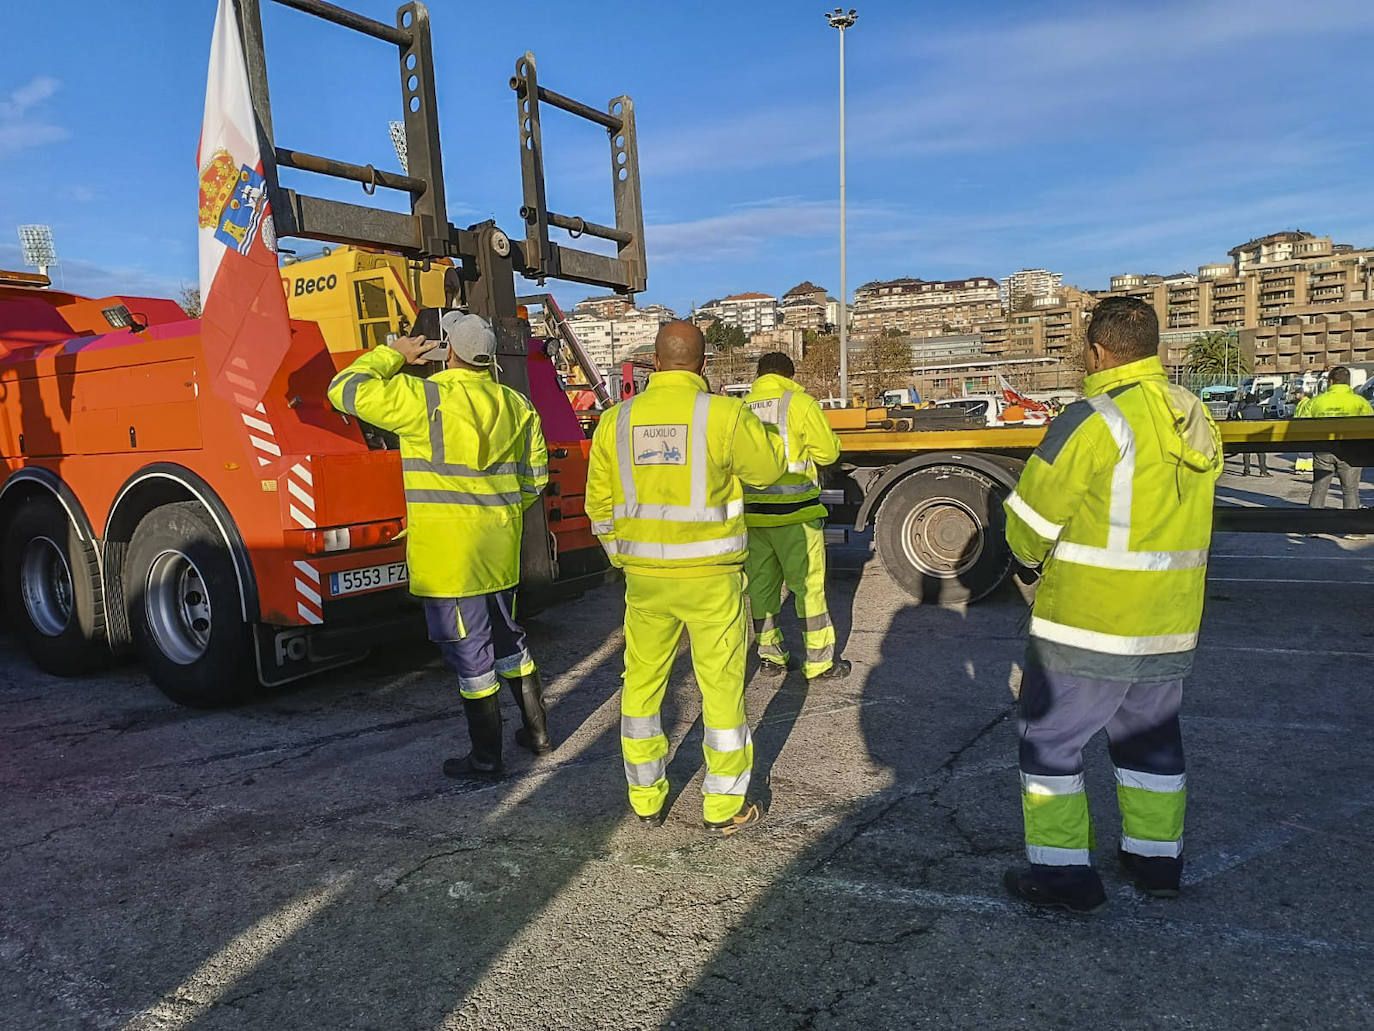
(358, 296)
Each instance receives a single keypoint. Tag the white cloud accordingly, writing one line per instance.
(95, 279)
(21, 126)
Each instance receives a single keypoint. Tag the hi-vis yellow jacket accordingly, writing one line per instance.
(1334, 402)
(663, 488)
(794, 417)
(1116, 504)
(473, 459)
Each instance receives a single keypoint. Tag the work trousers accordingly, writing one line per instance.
(1263, 463)
(480, 639)
(1324, 464)
(792, 555)
(1059, 714)
(712, 609)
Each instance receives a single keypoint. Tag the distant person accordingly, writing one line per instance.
(786, 524)
(1119, 495)
(1252, 411)
(1337, 401)
(1304, 403)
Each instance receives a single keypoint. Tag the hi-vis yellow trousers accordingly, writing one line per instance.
(794, 555)
(712, 609)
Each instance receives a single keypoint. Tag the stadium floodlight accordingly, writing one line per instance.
(36, 243)
(398, 140)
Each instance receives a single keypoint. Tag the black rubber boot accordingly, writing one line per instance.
(839, 669)
(484, 728)
(1159, 876)
(1077, 888)
(529, 696)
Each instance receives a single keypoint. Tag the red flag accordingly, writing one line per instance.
(1011, 396)
(244, 323)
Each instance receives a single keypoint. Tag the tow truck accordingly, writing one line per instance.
(140, 512)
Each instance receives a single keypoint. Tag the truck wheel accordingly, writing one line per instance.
(941, 534)
(183, 602)
(52, 590)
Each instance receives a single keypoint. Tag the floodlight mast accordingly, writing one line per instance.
(840, 19)
(36, 243)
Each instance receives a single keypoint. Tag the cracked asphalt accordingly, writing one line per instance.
(301, 863)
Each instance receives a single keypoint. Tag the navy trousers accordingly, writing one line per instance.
(480, 639)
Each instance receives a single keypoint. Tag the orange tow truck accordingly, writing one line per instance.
(231, 547)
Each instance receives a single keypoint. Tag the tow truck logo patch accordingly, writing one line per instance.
(659, 445)
(766, 410)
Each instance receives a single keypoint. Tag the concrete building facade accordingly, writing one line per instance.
(1032, 283)
(919, 308)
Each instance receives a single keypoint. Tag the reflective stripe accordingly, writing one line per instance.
(817, 622)
(479, 687)
(787, 488)
(645, 775)
(1032, 518)
(700, 549)
(349, 399)
(515, 663)
(602, 527)
(798, 467)
(1112, 644)
(1146, 847)
(460, 497)
(682, 513)
(1047, 856)
(1165, 783)
(1037, 784)
(436, 421)
(1123, 475)
(824, 654)
(701, 418)
(720, 784)
(731, 740)
(1108, 558)
(424, 465)
(639, 728)
(624, 453)
(532, 472)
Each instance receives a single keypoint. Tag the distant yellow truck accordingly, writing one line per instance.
(358, 296)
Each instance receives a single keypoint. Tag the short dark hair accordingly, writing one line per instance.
(1125, 326)
(778, 364)
(1340, 374)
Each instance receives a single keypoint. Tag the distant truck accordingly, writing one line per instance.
(899, 397)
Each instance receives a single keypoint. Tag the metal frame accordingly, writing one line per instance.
(627, 272)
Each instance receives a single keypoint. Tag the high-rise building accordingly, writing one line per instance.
(915, 307)
(749, 312)
(1027, 285)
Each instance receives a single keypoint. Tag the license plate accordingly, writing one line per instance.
(369, 578)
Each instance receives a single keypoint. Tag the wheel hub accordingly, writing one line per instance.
(177, 605)
(45, 581)
(942, 537)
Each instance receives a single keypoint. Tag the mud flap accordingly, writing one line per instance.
(285, 654)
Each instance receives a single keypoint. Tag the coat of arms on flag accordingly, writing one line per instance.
(232, 200)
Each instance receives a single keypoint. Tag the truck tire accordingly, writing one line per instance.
(52, 590)
(182, 597)
(941, 534)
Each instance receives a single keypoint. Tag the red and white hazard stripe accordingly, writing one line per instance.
(309, 605)
(261, 435)
(300, 484)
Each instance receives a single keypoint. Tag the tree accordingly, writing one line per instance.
(190, 301)
(1218, 354)
(885, 363)
(819, 372)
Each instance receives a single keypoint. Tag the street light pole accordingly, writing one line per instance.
(840, 19)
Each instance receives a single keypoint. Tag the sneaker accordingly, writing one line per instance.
(1077, 895)
(838, 670)
(748, 816)
(1158, 876)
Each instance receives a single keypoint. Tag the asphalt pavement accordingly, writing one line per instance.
(302, 863)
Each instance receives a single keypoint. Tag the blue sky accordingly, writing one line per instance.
(1088, 138)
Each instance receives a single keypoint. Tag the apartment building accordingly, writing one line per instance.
(750, 312)
(1313, 337)
(610, 341)
(919, 308)
(1029, 284)
(1052, 327)
(610, 306)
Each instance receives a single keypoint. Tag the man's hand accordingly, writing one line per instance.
(410, 348)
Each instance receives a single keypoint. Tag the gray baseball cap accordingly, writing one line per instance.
(469, 337)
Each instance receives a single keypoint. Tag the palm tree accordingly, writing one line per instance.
(1217, 353)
